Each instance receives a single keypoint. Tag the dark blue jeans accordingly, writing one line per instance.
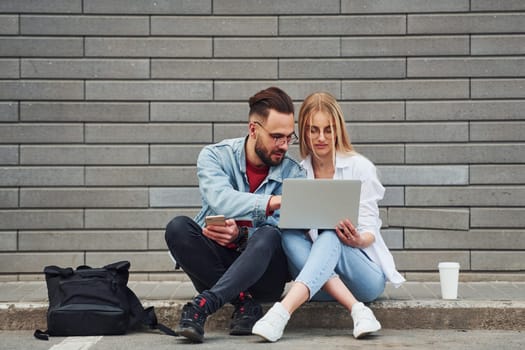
(221, 273)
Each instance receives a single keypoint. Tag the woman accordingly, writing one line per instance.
(350, 263)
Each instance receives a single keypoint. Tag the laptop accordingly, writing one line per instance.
(320, 204)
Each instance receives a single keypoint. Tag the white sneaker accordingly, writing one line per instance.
(364, 320)
(271, 326)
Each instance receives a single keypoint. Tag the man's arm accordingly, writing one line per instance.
(216, 187)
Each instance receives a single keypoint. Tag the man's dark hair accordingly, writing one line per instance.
(270, 98)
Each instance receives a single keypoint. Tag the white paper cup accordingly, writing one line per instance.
(449, 277)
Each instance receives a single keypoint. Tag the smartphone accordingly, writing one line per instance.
(215, 220)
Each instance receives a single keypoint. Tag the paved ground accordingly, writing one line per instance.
(293, 339)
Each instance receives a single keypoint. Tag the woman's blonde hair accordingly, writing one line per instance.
(325, 103)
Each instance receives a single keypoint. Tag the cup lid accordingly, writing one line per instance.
(447, 264)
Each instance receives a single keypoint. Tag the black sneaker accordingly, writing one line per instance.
(191, 323)
(246, 313)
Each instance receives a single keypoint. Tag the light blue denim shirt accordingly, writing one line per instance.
(224, 187)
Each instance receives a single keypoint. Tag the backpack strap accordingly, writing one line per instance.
(147, 316)
(42, 335)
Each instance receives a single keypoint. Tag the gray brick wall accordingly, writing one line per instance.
(105, 104)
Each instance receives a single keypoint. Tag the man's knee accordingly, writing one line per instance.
(266, 237)
(176, 227)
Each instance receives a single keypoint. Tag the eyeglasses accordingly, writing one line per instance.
(280, 139)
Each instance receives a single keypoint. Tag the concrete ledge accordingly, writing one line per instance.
(405, 314)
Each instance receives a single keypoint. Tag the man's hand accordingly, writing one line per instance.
(274, 203)
(222, 234)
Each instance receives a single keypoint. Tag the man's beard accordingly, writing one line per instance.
(265, 155)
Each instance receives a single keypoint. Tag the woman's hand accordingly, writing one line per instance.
(223, 235)
(348, 234)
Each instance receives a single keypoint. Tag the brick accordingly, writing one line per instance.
(489, 5)
(174, 154)
(156, 239)
(497, 217)
(497, 174)
(342, 25)
(465, 110)
(403, 6)
(498, 44)
(133, 218)
(214, 69)
(149, 47)
(148, 6)
(84, 111)
(84, 25)
(140, 261)
(40, 133)
(341, 68)
(8, 155)
(408, 132)
(494, 261)
(145, 133)
(429, 260)
(83, 154)
(141, 176)
(8, 24)
(148, 90)
(199, 112)
(243, 90)
(471, 153)
(214, 26)
(8, 111)
(41, 176)
(465, 67)
(405, 46)
(382, 154)
(41, 219)
(8, 198)
(406, 89)
(394, 196)
(85, 68)
(228, 131)
(179, 197)
(42, 6)
(479, 196)
(83, 197)
(276, 47)
(86, 240)
(466, 23)
(453, 219)
(9, 68)
(41, 90)
(373, 111)
(393, 238)
(275, 7)
(498, 88)
(34, 262)
(473, 239)
(8, 241)
(497, 131)
(36, 46)
(423, 175)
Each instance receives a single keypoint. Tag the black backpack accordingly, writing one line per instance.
(94, 301)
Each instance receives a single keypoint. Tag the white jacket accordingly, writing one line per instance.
(357, 167)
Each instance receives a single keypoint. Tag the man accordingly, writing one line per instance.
(241, 262)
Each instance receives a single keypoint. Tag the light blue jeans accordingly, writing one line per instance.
(315, 263)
